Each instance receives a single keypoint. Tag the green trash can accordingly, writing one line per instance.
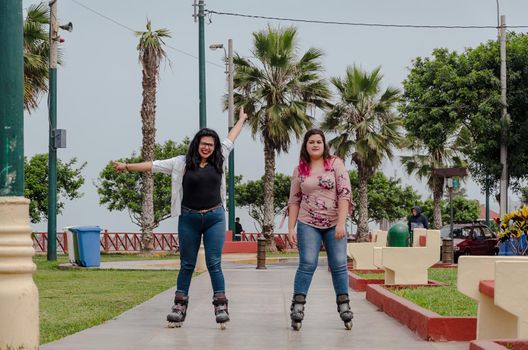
(398, 236)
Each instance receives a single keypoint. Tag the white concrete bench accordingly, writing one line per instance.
(363, 253)
(500, 286)
(409, 265)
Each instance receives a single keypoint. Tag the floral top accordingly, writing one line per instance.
(318, 194)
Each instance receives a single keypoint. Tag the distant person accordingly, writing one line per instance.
(417, 220)
(238, 230)
(320, 201)
(198, 200)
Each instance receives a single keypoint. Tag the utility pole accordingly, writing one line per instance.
(201, 60)
(19, 303)
(231, 123)
(52, 152)
(504, 121)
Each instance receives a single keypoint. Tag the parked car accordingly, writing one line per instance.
(471, 239)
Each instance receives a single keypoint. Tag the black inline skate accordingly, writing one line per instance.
(178, 311)
(220, 308)
(297, 311)
(345, 312)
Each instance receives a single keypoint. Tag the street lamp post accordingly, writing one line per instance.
(19, 302)
(231, 122)
(201, 60)
(57, 137)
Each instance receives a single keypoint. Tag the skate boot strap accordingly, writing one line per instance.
(180, 298)
(218, 301)
(179, 307)
(342, 299)
(299, 299)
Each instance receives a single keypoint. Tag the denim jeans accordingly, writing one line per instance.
(309, 243)
(191, 227)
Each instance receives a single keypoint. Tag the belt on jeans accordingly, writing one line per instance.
(203, 211)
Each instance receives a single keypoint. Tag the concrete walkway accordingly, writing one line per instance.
(259, 308)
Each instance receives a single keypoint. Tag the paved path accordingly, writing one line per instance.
(259, 308)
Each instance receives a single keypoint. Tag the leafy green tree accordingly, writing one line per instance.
(122, 191)
(368, 129)
(251, 196)
(464, 210)
(388, 199)
(151, 54)
(483, 115)
(432, 116)
(278, 91)
(69, 181)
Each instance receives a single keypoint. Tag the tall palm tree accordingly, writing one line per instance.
(278, 91)
(425, 159)
(36, 54)
(368, 128)
(151, 54)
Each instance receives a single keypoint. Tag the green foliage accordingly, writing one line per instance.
(251, 195)
(449, 94)
(464, 210)
(483, 95)
(69, 180)
(388, 199)
(364, 118)
(279, 90)
(122, 191)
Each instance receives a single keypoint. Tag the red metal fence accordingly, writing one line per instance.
(113, 242)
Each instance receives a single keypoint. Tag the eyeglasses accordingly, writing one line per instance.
(208, 145)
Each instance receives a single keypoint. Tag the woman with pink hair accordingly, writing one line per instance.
(320, 200)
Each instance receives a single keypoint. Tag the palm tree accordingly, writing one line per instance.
(278, 92)
(151, 54)
(425, 159)
(36, 54)
(368, 128)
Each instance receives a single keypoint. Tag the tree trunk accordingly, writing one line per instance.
(438, 191)
(362, 230)
(269, 196)
(148, 118)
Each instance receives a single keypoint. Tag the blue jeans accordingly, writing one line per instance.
(309, 243)
(191, 227)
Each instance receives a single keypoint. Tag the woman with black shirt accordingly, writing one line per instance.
(198, 200)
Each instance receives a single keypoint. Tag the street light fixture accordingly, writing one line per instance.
(231, 121)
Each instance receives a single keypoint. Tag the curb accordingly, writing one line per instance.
(427, 324)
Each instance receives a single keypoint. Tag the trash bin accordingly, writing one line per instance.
(73, 247)
(88, 243)
(398, 236)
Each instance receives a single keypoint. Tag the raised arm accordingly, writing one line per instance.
(233, 134)
(141, 167)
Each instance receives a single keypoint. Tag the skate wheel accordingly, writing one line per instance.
(296, 326)
(223, 326)
(175, 324)
(348, 325)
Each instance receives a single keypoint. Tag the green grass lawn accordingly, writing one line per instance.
(73, 300)
(446, 301)
(369, 275)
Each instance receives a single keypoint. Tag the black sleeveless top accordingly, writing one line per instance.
(201, 188)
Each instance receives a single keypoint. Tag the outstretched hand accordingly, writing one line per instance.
(119, 166)
(242, 115)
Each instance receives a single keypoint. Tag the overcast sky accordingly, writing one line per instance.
(99, 85)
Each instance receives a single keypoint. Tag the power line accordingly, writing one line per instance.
(358, 24)
(135, 31)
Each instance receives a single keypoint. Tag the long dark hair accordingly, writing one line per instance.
(304, 159)
(216, 159)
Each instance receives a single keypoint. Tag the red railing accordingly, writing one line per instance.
(281, 240)
(111, 242)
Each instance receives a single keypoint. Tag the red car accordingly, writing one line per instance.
(471, 239)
